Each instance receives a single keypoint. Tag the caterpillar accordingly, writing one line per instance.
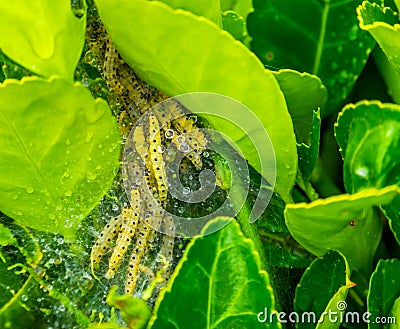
(144, 230)
(167, 245)
(103, 243)
(110, 68)
(156, 158)
(129, 223)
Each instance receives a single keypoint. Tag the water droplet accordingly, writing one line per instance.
(184, 147)
(60, 241)
(61, 308)
(115, 207)
(181, 139)
(362, 171)
(193, 118)
(91, 176)
(68, 223)
(68, 193)
(160, 149)
(29, 189)
(68, 141)
(18, 212)
(89, 136)
(169, 134)
(59, 207)
(206, 154)
(353, 32)
(15, 197)
(24, 298)
(186, 190)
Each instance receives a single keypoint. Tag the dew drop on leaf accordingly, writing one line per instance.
(362, 171)
(68, 223)
(353, 32)
(89, 136)
(91, 176)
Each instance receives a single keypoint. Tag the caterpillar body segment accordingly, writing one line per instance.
(129, 224)
(110, 68)
(103, 243)
(156, 157)
(167, 249)
(144, 229)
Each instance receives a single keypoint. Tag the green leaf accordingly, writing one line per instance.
(136, 312)
(308, 153)
(13, 311)
(390, 75)
(223, 288)
(384, 26)
(384, 289)
(280, 248)
(59, 151)
(234, 24)
(44, 36)
(347, 223)
(6, 236)
(330, 277)
(394, 314)
(371, 128)
(330, 44)
(210, 9)
(227, 67)
(304, 94)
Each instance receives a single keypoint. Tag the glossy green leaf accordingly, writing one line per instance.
(234, 24)
(44, 36)
(210, 9)
(318, 37)
(347, 223)
(384, 25)
(6, 236)
(322, 287)
(304, 94)
(371, 128)
(13, 311)
(384, 289)
(390, 75)
(394, 314)
(222, 288)
(204, 58)
(135, 311)
(59, 153)
(308, 153)
(242, 8)
(280, 248)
